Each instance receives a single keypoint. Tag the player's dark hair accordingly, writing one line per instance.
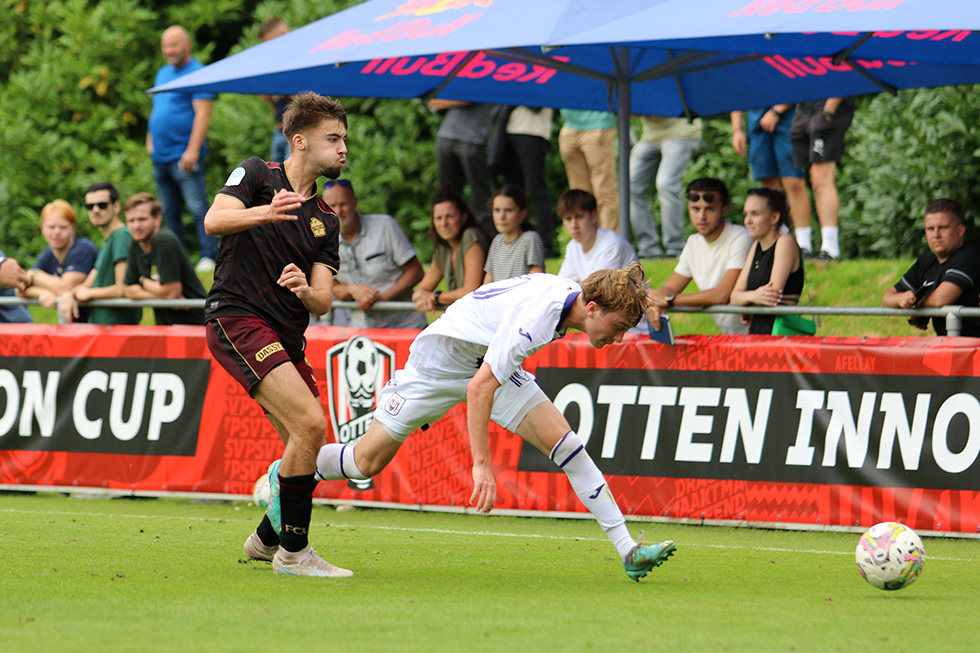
(574, 200)
(307, 110)
(156, 209)
(776, 201)
(517, 194)
(446, 194)
(104, 185)
(946, 205)
(710, 184)
(622, 291)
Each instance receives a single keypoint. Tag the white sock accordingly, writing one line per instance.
(591, 488)
(336, 461)
(830, 241)
(803, 237)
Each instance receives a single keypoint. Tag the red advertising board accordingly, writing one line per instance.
(806, 431)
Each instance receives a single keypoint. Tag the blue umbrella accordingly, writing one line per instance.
(651, 57)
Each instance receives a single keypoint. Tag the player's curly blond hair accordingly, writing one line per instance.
(622, 291)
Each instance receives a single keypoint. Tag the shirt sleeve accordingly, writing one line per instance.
(167, 254)
(243, 182)
(738, 250)
(400, 247)
(81, 257)
(46, 261)
(912, 279)
(963, 268)
(535, 249)
(522, 333)
(132, 266)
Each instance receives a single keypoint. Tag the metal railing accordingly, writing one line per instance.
(954, 314)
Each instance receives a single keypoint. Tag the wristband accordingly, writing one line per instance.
(779, 114)
(435, 297)
(670, 299)
(828, 116)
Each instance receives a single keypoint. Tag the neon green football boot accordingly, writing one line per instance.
(645, 557)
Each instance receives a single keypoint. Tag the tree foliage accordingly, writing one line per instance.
(73, 110)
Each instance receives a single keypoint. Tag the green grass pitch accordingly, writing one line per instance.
(167, 575)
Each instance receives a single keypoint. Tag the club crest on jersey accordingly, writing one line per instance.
(316, 226)
(356, 371)
(236, 176)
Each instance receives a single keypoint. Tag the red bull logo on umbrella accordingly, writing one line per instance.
(419, 27)
(428, 7)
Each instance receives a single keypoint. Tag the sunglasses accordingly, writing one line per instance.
(338, 182)
(694, 196)
(102, 205)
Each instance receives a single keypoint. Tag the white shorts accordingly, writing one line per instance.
(418, 397)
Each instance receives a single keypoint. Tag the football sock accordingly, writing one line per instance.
(830, 241)
(803, 237)
(296, 501)
(336, 461)
(266, 532)
(591, 488)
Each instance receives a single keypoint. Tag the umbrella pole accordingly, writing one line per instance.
(623, 123)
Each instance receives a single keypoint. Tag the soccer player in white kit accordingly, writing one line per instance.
(473, 353)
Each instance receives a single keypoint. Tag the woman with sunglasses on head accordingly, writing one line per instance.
(773, 271)
(459, 254)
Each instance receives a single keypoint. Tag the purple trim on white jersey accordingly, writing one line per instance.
(567, 308)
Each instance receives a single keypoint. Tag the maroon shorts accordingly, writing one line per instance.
(248, 349)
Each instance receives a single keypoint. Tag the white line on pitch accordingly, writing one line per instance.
(455, 532)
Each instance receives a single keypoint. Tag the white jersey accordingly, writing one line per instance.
(501, 323)
(610, 250)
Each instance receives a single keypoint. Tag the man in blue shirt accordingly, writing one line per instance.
(177, 143)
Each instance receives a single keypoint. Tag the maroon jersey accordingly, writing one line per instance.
(251, 261)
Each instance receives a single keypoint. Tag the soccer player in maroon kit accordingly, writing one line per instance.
(276, 264)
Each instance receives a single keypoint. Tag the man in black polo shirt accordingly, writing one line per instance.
(157, 266)
(948, 274)
(276, 265)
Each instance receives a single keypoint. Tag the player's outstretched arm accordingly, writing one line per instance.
(479, 404)
(228, 215)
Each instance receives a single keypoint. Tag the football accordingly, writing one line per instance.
(261, 491)
(890, 556)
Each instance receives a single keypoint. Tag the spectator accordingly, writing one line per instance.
(591, 247)
(268, 30)
(461, 152)
(948, 274)
(587, 143)
(516, 249)
(663, 153)
(157, 266)
(770, 151)
(817, 133)
(528, 135)
(713, 256)
(459, 254)
(105, 281)
(12, 275)
(177, 143)
(773, 271)
(377, 262)
(65, 261)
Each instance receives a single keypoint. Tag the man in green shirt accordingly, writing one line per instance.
(158, 267)
(105, 281)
